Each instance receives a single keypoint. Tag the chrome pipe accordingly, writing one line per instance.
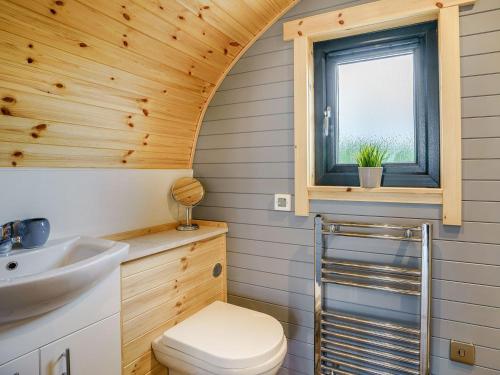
(373, 323)
(354, 366)
(373, 267)
(383, 279)
(318, 256)
(383, 335)
(371, 235)
(380, 344)
(371, 361)
(372, 352)
(425, 301)
(371, 286)
(368, 225)
(335, 371)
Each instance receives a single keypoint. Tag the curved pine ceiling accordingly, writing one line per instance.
(116, 83)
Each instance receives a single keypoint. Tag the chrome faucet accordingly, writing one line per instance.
(9, 237)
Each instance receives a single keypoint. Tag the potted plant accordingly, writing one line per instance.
(370, 158)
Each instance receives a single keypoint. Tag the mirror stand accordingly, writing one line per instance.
(188, 225)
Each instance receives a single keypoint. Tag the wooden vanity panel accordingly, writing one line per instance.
(163, 289)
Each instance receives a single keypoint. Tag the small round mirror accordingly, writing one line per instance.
(188, 192)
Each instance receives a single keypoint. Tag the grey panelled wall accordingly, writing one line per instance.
(245, 155)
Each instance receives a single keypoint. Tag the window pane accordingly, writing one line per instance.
(376, 104)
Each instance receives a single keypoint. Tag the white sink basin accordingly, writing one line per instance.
(33, 282)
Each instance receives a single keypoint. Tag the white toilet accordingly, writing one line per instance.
(223, 339)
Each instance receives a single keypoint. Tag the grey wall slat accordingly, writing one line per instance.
(253, 93)
(481, 127)
(250, 124)
(481, 106)
(267, 60)
(480, 22)
(247, 185)
(298, 253)
(250, 139)
(488, 84)
(480, 64)
(260, 77)
(481, 190)
(480, 43)
(257, 108)
(244, 170)
(245, 156)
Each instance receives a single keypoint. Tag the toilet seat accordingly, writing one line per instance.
(223, 339)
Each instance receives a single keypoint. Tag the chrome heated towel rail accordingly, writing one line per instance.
(347, 344)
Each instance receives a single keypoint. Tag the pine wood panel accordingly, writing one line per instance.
(108, 83)
(163, 289)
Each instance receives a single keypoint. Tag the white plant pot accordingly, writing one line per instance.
(370, 177)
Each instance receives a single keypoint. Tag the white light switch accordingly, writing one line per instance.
(282, 202)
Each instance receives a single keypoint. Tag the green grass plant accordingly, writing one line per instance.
(371, 155)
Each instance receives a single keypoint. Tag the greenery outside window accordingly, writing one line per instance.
(383, 88)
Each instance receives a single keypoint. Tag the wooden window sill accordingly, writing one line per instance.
(382, 194)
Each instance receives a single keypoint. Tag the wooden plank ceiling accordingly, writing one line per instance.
(116, 83)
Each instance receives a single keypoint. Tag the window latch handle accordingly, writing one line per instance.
(327, 113)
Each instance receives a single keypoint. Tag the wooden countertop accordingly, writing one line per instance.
(150, 241)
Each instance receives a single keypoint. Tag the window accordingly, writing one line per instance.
(382, 88)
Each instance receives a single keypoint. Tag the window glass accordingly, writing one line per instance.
(376, 105)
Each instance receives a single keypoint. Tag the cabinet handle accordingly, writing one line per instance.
(67, 361)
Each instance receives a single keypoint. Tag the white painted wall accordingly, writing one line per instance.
(89, 201)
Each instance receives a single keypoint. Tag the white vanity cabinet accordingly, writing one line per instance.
(25, 365)
(91, 350)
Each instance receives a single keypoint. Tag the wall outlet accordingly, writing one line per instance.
(282, 202)
(462, 352)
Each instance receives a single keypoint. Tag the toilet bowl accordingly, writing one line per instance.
(223, 339)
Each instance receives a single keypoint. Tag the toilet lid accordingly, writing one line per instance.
(227, 336)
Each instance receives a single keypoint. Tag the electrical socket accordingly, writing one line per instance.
(282, 202)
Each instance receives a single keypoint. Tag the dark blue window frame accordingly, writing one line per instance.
(421, 41)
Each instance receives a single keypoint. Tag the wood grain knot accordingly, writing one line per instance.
(131, 125)
(30, 45)
(348, 189)
(83, 45)
(124, 161)
(200, 16)
(161, 7)
(340, 15)
(129, 116)
(164, 91)
(35, 135)
(112, 78)
(125, 43)
(225, 51)
(206, 7)
(234, 44)
(30, 60)
(17, 154)
(210, 51)
(144, 143)
(301, 22)
(181, 17)
(40, 127)
(144, 100)
(14, 164)
(9, 99)
(59, 3)
(126, 16)
(53, 11)
(299, 32)
(178, 304)
(174, 37)
(341, 22)
(130, 152)
(145, 111)
(59, 85)
(5, 111)
(439, 4)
